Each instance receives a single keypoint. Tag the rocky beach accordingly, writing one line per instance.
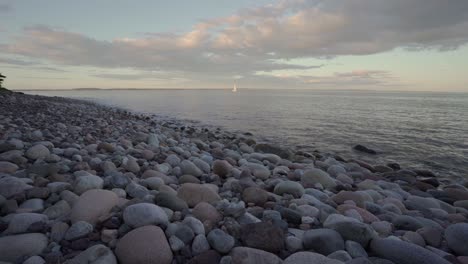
(86, 183)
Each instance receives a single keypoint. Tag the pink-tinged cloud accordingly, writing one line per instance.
(255, 39)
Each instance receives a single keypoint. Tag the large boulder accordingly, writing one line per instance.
(193, 194)
(314, 176)
(142, 214)
(245, 255)
(92, 205)
(457, 238)
(14, 248)
(144, 245)
(403, 252)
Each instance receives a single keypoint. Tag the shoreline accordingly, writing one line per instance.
(90, 181)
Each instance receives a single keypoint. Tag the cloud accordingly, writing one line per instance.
(255, 39)
(23, 64)
(5, 8)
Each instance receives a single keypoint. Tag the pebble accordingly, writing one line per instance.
(146, 244)
(142, 214)
(78, 229)
(38, 151)
(220, 241)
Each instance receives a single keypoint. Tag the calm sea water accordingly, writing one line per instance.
(423, 130)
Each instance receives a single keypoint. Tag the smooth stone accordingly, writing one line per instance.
(32, 206)
(194, 194)
(220, 241)
(170, 201)
(314, 176)
(8, 167)
(98, 254)
(200, 244)
(10, 186)
(88, 182)
(293, 244)
(406, 222)
(78, 229)
(350, 229)
(289, 187)
(355, 249)
(144, 245)
(255, 195)
(245, 255)
(264, 236)
(403, 252)
(195, 224)
(308, 258)
(16, 247)
(206, 212)
(38, 151)
(176, 243)
(221, 168)
(58, 231)
(341, 255)
(457, 238)
(259, 171)
(173, 160)
(184, 233)
(142, 214)
(92, 205)
(58, 210)
(34, 260)
(153, 183)
(188, 167)
(136, 191)
(323, 241)
(131, 164)
(20, 223)
(431, 235)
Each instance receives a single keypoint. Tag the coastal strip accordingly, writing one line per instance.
(86, 183)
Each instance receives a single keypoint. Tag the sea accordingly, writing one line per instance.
(424, 130)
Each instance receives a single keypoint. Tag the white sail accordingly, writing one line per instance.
(235, 88)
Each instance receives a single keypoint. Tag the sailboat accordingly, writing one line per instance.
(234, 89)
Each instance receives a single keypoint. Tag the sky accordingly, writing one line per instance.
(411, 45)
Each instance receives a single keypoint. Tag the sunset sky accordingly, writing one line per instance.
(296, 44)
